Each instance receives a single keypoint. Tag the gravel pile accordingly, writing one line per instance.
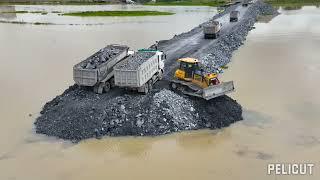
(102, 56)
(134, 61)
(160, 112)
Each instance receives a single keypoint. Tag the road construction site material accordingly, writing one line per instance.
(98, 66)
(133, 62)
(80, 114)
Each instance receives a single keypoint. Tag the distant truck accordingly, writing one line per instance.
(212, 29)
(234, 16)
(245, 3)
(140, 70)
(97, 70)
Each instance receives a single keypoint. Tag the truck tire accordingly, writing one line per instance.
(145, 88)
(173, 86)
(107, 87)
(150, 83)
(112, 83)
(215, 36)
(98, 88)
(160, 75)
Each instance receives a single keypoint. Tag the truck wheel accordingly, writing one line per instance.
(98, 88)
(150, 84)
(145, 89)
(173, 86)
(112, 83)
(107, 87)
(160, 75)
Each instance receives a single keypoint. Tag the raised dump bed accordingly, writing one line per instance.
(99, 67)
(140, 71)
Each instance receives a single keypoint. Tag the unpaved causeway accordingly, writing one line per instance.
(80, 114)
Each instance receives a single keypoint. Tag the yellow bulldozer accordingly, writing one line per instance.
(192, 80)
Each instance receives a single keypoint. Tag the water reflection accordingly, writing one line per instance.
(7, 16)
(202, 139)
(276, 74)
(53, 14)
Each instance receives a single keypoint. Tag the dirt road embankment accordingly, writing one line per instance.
(80, 114)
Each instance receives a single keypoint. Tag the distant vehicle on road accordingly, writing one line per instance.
(212, 29)
(234, 16)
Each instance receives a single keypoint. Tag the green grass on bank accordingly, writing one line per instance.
(145, 2)
(293, 4)
(15, 12)
(187, 3)
(61, 2)
(117, 13)
(22, 12)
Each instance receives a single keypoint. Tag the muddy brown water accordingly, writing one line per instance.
(276, 73)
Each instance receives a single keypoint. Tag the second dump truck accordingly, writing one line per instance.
(140, 70)
(212, 29)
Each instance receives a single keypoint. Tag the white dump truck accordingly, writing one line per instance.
(245, 3)
(234, 16)
(97, 70)
(212, 29)
(140, 70)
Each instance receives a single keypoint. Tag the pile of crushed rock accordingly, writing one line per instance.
(160, 112)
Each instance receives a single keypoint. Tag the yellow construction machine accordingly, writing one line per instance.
(192, 80)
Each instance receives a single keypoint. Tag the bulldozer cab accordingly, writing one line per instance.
(188, 66)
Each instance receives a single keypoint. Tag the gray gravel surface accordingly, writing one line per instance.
(80, 114)
(102, 56)
(160, 112)
(134, 61)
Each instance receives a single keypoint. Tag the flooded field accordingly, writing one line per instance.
(276, 75)
(53, 15)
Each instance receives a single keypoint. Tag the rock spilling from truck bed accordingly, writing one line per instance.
(102, 56)
(159, 112)
(133, 62)
(79, 113)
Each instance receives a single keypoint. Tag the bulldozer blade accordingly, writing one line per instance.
(217, 90)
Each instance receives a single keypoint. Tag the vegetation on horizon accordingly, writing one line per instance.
(58, 2)
(293, 4)
(187, 3)
(117, 13)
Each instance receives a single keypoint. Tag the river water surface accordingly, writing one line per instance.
(276, 73)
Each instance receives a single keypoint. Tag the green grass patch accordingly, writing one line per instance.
(15, 12)
(187, 3)
(55, 3)
(293, 4)
(22, 12)
(117, 13)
